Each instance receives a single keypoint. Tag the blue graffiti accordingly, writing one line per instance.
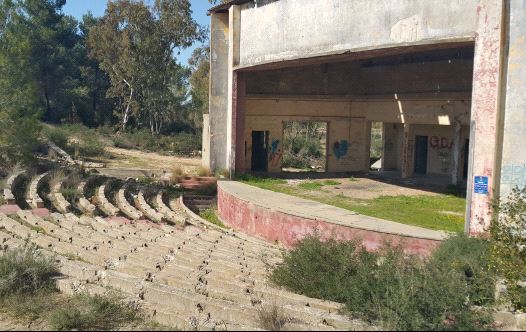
(274, 146)
(340, 148)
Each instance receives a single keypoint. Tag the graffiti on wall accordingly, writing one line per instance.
(340, 148)
(440, 143)
(445, 159)
(513, 176)
(275, 152)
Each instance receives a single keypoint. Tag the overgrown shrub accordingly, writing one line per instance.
(508, 245)
(393, 289)
(92, 313)
(25, 271)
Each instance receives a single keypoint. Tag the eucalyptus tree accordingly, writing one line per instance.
(135, 45)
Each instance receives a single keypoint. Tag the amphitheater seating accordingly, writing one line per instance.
(193, 277)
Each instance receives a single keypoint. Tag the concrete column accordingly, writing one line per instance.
(205, 150)
(218, 91)
(234, 21)
(408, 146)
(514, 150)
(484, 113)
(457, 149)
(238, 115)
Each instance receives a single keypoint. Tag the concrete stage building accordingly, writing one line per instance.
(447, 80)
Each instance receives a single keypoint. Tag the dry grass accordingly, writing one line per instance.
(204, 171)
(272, 317)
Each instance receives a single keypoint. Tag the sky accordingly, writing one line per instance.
(77, 8)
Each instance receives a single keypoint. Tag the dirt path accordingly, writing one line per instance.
(135, 159)
(364, 188)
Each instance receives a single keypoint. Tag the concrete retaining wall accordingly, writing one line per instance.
(287, 229)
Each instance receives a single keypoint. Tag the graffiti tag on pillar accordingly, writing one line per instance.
(340, 148)
(440, 143)
(275, 152)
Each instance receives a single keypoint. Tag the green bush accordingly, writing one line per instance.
(92, 313)
(508, 245)
(390, 288)
(25, 271)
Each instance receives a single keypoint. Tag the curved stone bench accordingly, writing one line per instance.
(33, 198)
(125, 207)
(8, 190)
(146, 209)
(83, 204)
(58, 200)
(166, 211)
(103, 203)
(287, 219)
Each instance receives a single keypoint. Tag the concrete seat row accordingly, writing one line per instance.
(9, 187)
(33, 198)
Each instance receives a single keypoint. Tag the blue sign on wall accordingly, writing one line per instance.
(481, 185)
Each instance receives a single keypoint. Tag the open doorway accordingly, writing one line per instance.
(376, 150)
(259, 151)
(304, 146)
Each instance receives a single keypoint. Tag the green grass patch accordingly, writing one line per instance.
(310, 185)
(441, 212)
(331, 183)
(393, 290)
(437, 212)
(211, 216)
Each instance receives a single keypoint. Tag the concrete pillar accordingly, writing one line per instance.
(514, 150)
(457, 150)
(234, 21)
(408, 146)
(218, 91)
(484, 115)
(205, 150)
(238, 115)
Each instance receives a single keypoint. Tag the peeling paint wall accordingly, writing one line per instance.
(291, 29)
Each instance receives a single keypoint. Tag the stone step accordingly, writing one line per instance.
(126, 208)
(147, 210)
(58, 200)
(104, 204)
(174, 217)
(33, 198)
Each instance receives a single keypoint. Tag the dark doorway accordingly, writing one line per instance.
(466, 160)
(421, 155)
(259, 151)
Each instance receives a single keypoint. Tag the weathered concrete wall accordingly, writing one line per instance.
(291, 29)
(349, 126)
(514, 149)
(287, 229)
(487, 70)
(357, 78)
(218, 91)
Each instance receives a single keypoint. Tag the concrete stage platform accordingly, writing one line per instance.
(285, 219)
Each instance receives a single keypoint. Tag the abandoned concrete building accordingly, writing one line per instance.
(445, 78)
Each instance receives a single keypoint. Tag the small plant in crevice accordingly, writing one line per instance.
(272, 317)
